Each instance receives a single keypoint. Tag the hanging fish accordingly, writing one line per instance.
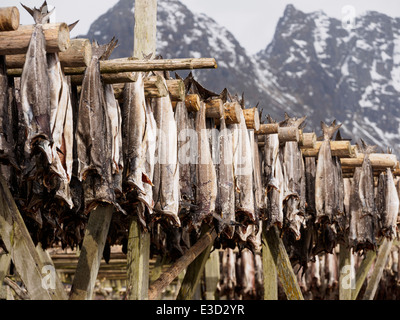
(206, 178)
(325, 198)
(134, 133)
(94, 134)
(294, 181)
(7, 117)
(274, 179)
(362, 205)
(166, 169)
(35, 89)
(389, 215)
(226, 181)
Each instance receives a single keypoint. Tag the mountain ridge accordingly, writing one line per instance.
(313, 66)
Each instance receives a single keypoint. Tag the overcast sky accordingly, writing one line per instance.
(252, 22)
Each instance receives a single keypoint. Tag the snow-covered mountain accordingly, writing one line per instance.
(312, 67)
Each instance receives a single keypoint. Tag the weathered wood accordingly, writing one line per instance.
(308, 140)
(18, 242)
(91, 253)
(252, 118)
(138, 262)
(183, 262)
(269, 128)
(269, 272)
(21, 293)
(176, 89)
(5, 262)
(194, 272)
(232, 112)
(9, 19)
(341, 149)
(346, 270)
(154, 87)
(284, 268)
(17, 42)
(286, 134)
(380, 264)
(136, 65)
(378, 161)
(211, 275)
(214, 108)
(362, 272)
(138, 257)
(192, 102)
(78, 54)
(109, 78)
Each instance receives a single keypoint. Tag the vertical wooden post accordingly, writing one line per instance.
(91, 253)
(212, 275)
(283, 265)
(269, 272)
(380, 264)
(346, 273)
(139, 241)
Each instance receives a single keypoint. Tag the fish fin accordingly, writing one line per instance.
(30, 11)
(146, 179)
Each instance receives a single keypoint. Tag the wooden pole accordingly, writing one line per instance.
(269, 272)
(378, 161)
(232, 112)
(192, 102)
(282, 263)
(362, 272)
(269, 128)
(340, 149)
(17, 42)
(211, 273)
(91, 253)
(181, 264)
(78, 54)
(380, 264)
(252, 118)
(29, 265)
(308, 140)
(9, 19)
(346, 275)
(139, 240)
(286, 134)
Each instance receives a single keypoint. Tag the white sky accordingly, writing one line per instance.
(252, 22)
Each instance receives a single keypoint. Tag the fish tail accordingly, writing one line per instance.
(329, 131)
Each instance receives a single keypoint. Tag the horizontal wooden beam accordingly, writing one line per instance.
(17, 42)
(78, 54)
(308, 140)
(9, 19)
(379, 161)
(340, 149)
(154, 89)
(252, 118)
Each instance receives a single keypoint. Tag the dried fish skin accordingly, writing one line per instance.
(389, 215)
(133, 136)
(325, 200)
(7, 115)
(362, 208)
(187, 152)
(150, 147)
(206, 177)
(35, 94)
(226, 181)
(166, 168)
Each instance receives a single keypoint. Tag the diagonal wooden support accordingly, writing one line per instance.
(283, 266)
(194, 272)
(380, 264)
(183, 262)
(91, 253)
(32, 269)
(362, 272)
